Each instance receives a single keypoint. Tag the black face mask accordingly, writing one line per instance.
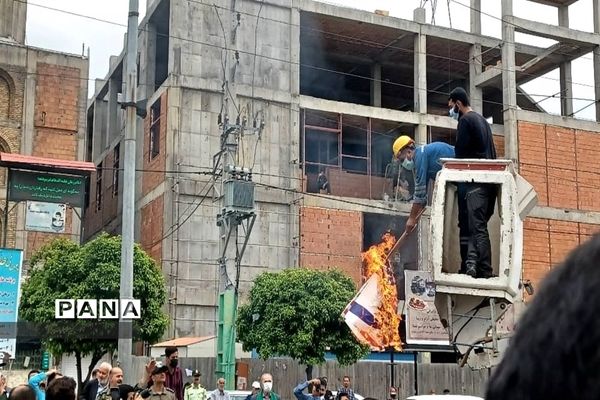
(173, 362)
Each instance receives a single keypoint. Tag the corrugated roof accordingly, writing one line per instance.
(184, 341)
(22, 161)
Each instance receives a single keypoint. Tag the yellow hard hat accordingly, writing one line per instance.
(401, 143)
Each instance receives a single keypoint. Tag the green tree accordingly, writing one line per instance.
(65, 270)
(297, 313)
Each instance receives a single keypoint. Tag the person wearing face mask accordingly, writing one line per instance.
(174, 374)
(424, 161)
(476, 201)
(267, 393)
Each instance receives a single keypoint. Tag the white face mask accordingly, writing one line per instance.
(408, 164)
(267, 386)
(453, 113)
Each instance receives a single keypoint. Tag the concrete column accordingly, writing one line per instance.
(376, 85)
(509, 84)
(476, 17)
(295, 52)
(566, 84)
(13, 15)
(114, 87)
(420, 77)
(147, 70)
(596, 8)
(475, 67)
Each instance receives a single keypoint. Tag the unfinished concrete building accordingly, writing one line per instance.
(334, 86)
(42, 114)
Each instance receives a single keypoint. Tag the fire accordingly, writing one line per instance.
(375, 261)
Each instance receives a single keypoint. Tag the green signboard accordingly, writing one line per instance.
(43, 186)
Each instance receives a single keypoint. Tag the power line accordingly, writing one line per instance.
(353, 39)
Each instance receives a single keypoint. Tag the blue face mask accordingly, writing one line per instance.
(453, 113)
(408, 164)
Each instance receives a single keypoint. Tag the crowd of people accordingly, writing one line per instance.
(160, 381)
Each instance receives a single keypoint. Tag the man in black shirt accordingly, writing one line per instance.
(476, 201)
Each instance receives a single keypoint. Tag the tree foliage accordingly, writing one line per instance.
(297, 313)
(65, 270)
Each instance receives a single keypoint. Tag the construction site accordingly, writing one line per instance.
(318, 93)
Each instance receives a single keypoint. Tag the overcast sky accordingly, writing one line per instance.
(69, 33)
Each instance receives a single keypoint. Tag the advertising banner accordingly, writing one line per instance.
(45, 217)
(11, 261)
(423, 325)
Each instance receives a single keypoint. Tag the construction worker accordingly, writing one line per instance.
(424, 161)
(476, 201)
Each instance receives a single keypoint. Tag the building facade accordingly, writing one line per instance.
(334, 87)
(43, 98)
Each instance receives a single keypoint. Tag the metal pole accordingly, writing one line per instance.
(393, 380)
(416, 372)
(126, 284)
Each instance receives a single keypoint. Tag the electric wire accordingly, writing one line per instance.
(352, 39)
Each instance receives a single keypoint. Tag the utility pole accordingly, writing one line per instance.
(126, 285)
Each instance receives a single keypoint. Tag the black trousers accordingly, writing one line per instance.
(476, 206)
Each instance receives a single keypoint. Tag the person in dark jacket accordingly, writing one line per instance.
(476, 201)
(553, 354)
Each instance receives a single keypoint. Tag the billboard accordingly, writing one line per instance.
(423, 324)
(46, 187)
(11, 261)
(45, 217)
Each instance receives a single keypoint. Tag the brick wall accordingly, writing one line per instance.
(12, 86)
(152, 228)
(331, 239)
(56, 123)
(499, 143)
(563, 165)
(151, 180)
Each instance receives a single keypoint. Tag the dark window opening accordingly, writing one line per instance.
(116, 166)
(86, 199)
(161, 19)
(352, 62)
(155, 129)
(90, 135)
(99, 173)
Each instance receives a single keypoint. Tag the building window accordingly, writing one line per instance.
(99, 173)
(155, 129)
(352, 154)
(116, 166)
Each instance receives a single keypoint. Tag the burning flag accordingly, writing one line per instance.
(372, 315)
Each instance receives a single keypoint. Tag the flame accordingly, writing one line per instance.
(375, 261)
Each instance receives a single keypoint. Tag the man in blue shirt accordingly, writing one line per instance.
(424, 161)
(314, 386)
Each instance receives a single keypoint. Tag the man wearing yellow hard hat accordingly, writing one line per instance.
(424, 161)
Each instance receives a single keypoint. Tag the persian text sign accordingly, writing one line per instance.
(423, 325)
(51, 188)
(10, 285)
